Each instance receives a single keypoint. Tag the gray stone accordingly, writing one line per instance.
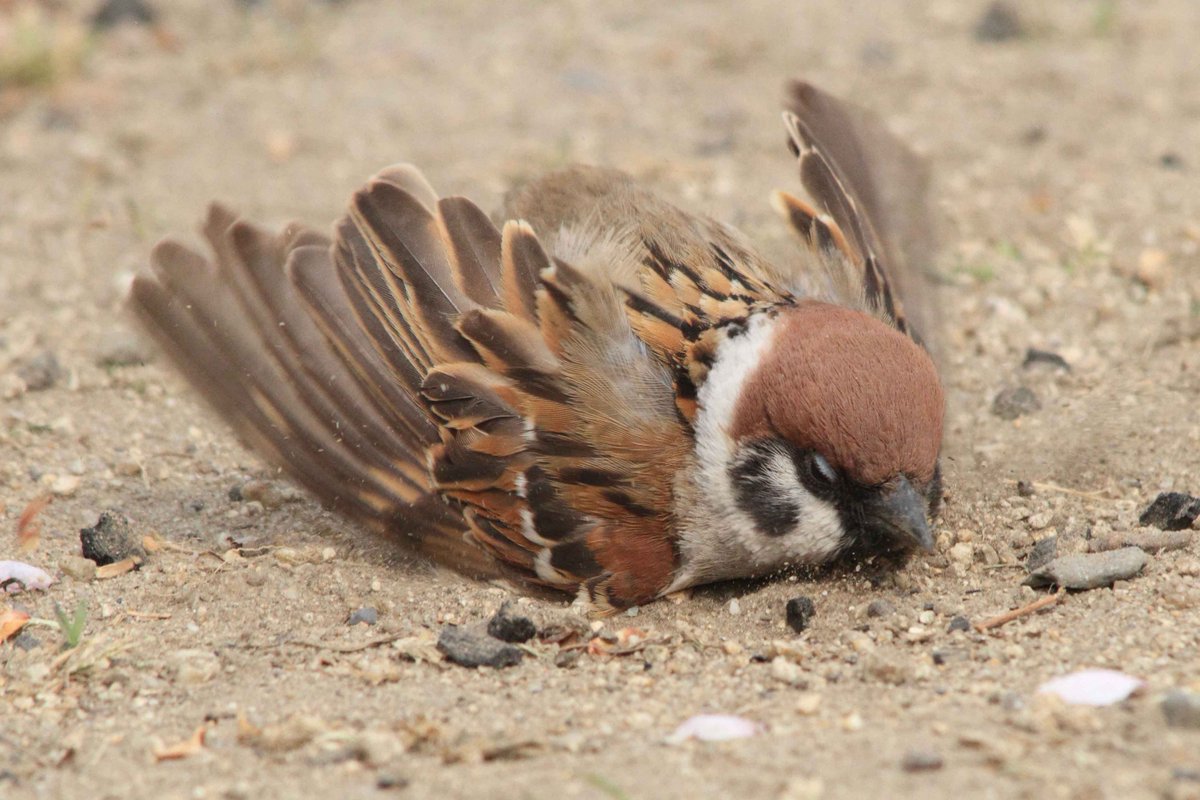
(1181, 709)
(1015, 402)
(470, 648)
(1089, 570)
(41, 372)
(921, 761)
(999, 23)
(365, 615)
(880, 608)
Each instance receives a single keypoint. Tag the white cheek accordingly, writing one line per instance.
(718, 539)
(818, 531)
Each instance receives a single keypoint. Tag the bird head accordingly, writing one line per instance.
(821, 428)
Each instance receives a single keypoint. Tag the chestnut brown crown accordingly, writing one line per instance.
(852, 388)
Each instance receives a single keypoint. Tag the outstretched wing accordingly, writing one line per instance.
(870, 191)
(436, 378)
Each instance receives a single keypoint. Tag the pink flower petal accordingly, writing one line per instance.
(1093, 687)
(714, 728)
(30, 576)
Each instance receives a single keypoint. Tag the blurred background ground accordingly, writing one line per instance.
(1064, 138)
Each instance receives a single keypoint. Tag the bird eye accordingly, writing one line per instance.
(821, 470)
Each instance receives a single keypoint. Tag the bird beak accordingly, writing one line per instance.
(899, 511)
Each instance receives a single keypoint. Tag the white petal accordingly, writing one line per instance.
(31, 576)
(714, 728)
(1093, 687)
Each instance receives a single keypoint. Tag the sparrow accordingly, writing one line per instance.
(604, 395)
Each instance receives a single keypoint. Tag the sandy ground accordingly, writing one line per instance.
(1070, 215)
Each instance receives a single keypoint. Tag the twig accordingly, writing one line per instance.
(146, 614)
(346, 648)
(1037, 605)
(1094, 494)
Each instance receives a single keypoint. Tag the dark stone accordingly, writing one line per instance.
(800, 611)
(1170, 160)
(116, 12)
(1033, 135)
(509, 627)
(26, 641)
(1044, 551)
(921, 761)
(470, 648)
(880, 608)
(390, 780)
(365, 615)
(1025, 489)
(1015, 402)
(1000, 23)
(1171, 511)
(1181, 709)
(1033, 357)
(111, 539)
(41, 372)
(959, 623)
(566, 659)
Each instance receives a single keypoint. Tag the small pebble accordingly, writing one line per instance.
(79, 568)
(959, 623)
(116, 12)
(367, 615)
(565, 659)
(508, 626)
(470, 648)
(735, 607)
(880, 608)
(786, 671)
(390, 780)
(121, 348)
(1015, 402)
(265, 492)
(887, 668)
(1089, 570)
(926, 617)
(65, 485)
(1034, 357)
(962, 554)
(921, 761)
(808, 704)
(1025, 489)
(1044, 551)
(194, 667)
(799, 612)
(111, 539)
(1171, 511)
(41, 372)
(1040, 520)
(999, 23)
(1181, 709)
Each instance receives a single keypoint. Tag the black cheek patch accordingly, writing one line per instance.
(773, 513)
